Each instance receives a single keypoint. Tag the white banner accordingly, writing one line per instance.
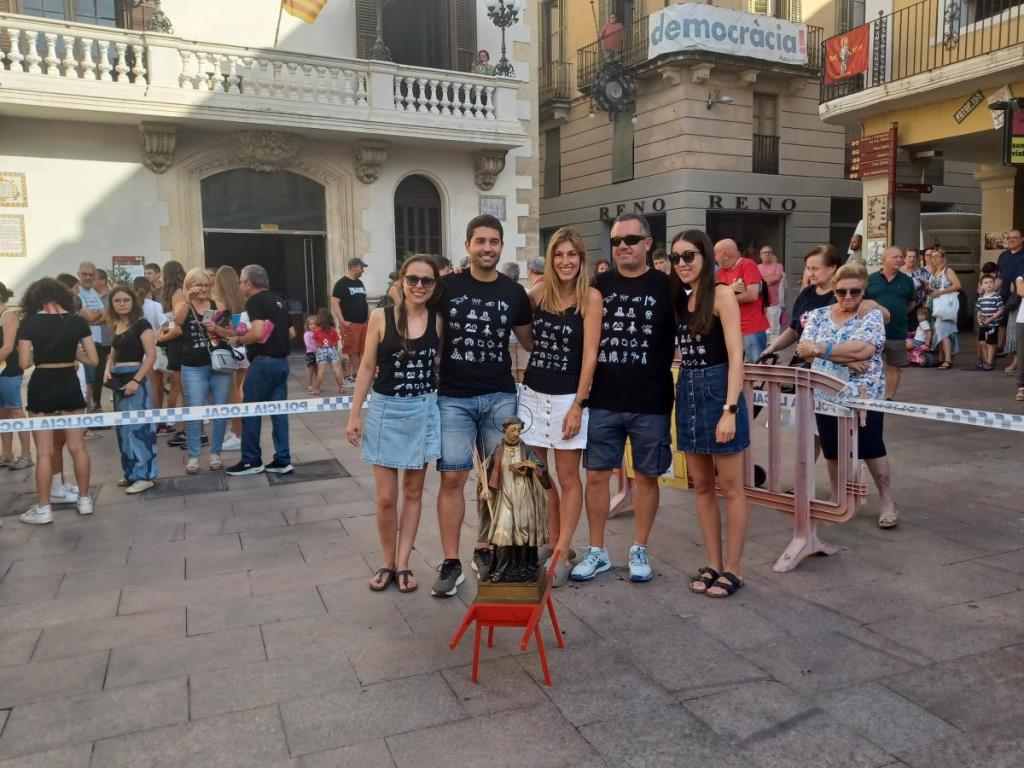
(695, 26)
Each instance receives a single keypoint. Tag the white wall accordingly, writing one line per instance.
(89, 197)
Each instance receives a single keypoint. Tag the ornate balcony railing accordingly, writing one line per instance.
(556, 82)
(765, 154)
(68, 66)
(929, 35)
(631, 46)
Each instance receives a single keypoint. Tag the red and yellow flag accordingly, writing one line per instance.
(307, 10)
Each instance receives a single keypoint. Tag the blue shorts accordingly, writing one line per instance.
(469, 421)
(10, 391)
(649, 440)
(401, 432)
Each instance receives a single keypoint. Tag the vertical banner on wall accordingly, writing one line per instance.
(846, 55)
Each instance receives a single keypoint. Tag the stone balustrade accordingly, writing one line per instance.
(47, 63)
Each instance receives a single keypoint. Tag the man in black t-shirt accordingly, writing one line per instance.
(267, 344)
(476, 391)
(631, 396)
(351, 312)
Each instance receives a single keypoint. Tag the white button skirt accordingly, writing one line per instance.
(543, 415)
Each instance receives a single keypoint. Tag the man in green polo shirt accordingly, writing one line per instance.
(894, 291)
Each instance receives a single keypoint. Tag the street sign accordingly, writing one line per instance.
(871, 155)
(913, 189)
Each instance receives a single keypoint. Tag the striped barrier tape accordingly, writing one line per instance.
(174, 415)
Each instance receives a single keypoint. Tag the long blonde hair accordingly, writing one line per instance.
(551, 299)
(226, 292)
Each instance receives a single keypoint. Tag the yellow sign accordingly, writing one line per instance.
(268, 227)
(1017, 150)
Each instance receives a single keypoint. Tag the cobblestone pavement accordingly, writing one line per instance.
(236, 629)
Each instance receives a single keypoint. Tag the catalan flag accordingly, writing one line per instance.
(307, 10)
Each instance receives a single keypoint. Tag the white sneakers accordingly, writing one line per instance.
(84, 505)
(232, 443)
(139, 486)
(37, 515)
(63, 494)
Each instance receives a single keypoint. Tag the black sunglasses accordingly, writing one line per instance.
(853, 293)
(413, 280)
(628, 240)
(686, 257)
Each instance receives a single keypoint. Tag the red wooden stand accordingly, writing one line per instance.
(526, 615)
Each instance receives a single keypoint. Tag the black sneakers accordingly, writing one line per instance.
(482, 561)
(245, 468)
(448, 580)
(279, 468)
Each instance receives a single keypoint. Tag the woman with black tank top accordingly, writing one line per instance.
(553, 396)
(11, 378)
(712, 425)
(403, 424)
(132, 354)
(53, 339)
(170, 339)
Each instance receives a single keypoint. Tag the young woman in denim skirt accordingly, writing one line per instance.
(712, 427)
(553, 397)
(11, 378)
(403, 424)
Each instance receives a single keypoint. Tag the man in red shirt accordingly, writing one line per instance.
(744, 277)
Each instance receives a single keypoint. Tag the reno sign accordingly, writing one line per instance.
(693, 26)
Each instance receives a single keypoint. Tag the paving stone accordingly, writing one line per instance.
(40, 680)
(305, 637)
(998, 746)
(99, 634)
(537, 737)
(774, 728)
(664, 737)
(254, 610)
(888, 720)
(17, 647)
(825, 662)
(302, 574)
(228, 544)
(85, 583)
(177, 656)
(391, 658)
(503, 684)
(41, 567)
(242, 740)
(353, 507)
(29, 590)
(76, 719)
(249, 520)
(211, 564)
(323, 532)
(51, 612)
(151, 597)
(77, 756)
(247, 686)
(369, 754)
(349, 717)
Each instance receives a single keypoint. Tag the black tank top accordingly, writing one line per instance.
(408, 372)
(12, 368)
(557, 357)
(697, 351)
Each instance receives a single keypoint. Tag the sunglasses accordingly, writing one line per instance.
(686, 257)
(853, 293)
(413, 280)
(628, 240)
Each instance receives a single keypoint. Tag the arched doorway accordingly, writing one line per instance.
(277, 220)
(417, 218)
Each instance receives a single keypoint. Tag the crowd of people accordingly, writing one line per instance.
(599, 347)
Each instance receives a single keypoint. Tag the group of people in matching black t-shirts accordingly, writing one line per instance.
(600, 373)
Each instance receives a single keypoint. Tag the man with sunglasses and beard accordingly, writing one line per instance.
(477, 393)
(631, 395)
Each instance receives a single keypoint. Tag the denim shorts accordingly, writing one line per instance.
(700, 396)
(469, 421)
(649, 440)
(10, 391)
(402, 432)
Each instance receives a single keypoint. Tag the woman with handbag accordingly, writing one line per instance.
(169, 338)
(202, 382)
(943, 285)
(132, 354)
(229, 298)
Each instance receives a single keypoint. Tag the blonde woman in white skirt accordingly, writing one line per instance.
(553, 396)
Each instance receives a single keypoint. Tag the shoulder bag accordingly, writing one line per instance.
(223, 359)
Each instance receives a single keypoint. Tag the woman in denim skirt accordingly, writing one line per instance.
(712, 426)
(403, 424)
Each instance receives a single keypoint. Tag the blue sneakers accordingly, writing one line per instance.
(639, 567)
(595, 561)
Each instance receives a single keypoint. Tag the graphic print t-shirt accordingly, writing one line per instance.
(634, 360)
(479, 318)
(351, 294)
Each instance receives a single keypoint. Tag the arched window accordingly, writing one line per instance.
(417, 218)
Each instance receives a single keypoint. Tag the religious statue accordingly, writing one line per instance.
(513, 507)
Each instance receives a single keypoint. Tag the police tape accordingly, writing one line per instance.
(175, 415)
(1012, 422)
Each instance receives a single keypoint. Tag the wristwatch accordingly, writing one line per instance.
(730, 409)
(582, 401)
